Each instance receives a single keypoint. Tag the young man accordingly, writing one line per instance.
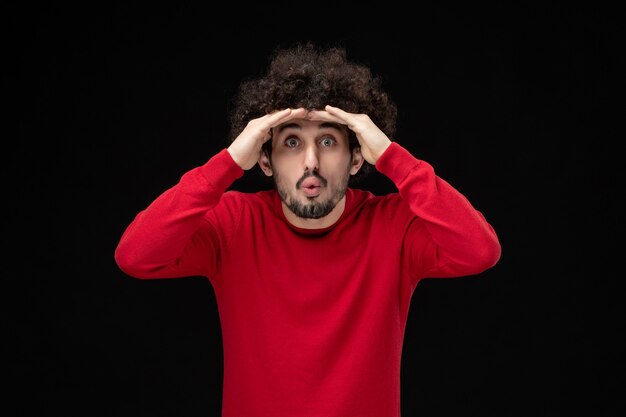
(313, 279)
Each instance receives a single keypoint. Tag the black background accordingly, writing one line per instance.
(108, 106)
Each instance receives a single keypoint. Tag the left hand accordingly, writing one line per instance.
(372, 140)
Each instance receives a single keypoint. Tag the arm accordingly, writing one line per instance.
(461, 242)
(169, 237)
(173, 236)
(448, 236)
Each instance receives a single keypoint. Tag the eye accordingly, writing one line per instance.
(327, 142)
(292, 142)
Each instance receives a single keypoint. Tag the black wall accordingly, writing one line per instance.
(109, 106)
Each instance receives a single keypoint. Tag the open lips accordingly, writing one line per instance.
(311, 186)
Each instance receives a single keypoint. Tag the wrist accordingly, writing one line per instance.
(380, 151)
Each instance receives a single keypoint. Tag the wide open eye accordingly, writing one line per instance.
(327, 141)
(292, 142)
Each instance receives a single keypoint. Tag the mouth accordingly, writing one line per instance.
(311, 191)
(311, 186)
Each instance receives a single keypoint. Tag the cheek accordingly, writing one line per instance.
(281, 165)
(284, 174)
(337, 167)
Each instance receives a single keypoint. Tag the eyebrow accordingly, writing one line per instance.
(325, 125)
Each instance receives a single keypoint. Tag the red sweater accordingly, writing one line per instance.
(312, 320)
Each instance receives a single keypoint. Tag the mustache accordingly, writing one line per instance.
(308, 174)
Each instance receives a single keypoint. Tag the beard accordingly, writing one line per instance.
(312, 209)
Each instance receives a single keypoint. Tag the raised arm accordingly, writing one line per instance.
(448, 236)
(173, 236)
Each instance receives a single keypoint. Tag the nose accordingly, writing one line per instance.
(311, 160)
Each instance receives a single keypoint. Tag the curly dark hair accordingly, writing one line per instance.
(311, 77)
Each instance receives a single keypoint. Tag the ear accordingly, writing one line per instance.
(265, 163)
(357, 160)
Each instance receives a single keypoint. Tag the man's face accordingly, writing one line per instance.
(311, 163)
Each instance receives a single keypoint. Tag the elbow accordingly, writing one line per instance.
(128, 264)
(486, 256)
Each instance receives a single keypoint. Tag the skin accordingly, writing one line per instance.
(310, 143)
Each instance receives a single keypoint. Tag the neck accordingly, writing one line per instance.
(320, 223)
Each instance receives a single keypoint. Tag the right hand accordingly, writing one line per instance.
(246, 148)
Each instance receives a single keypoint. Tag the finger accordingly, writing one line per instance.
(323, 116)
(274, 119)
(348, 118)
(299, 113)
(285, 115)
(271, 119)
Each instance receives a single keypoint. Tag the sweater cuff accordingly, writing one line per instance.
(221, 171)
(396, 163)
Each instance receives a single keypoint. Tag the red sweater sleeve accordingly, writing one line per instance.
(461, 242)
(167, 238)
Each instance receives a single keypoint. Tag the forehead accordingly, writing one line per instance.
(309, 126)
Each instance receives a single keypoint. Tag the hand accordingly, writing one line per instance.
(372, 140)
(246, 148)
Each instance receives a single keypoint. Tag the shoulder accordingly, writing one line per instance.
(236, 207)
(389, 208)
(359, 198)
